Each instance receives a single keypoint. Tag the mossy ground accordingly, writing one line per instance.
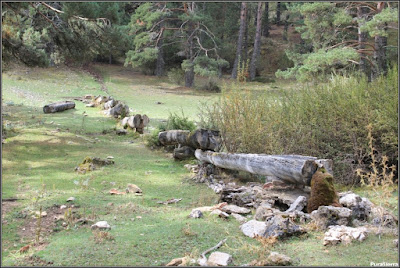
(42, 150)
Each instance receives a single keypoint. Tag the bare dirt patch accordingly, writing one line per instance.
(6, 207)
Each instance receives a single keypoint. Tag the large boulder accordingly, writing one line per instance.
(322, 191)
(253, 228)
(361, 207)
(330, 215)
(281, 227)
(298, 204)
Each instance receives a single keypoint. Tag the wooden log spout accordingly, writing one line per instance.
(294, 169)
(58, 106)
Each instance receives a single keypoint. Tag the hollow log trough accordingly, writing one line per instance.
(291, 169)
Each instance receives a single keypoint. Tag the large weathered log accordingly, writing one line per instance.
(295, 169)
(119, 109)
(200, 139)
(173, 137)
(205, 139)
(58, 106)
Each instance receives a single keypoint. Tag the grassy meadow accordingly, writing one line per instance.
(41, 151)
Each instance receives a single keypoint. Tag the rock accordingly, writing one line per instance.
(43, 214)
(329, 215)
(298, 204)
(177, 262)
(110, 104)
(322, 191)
(219, 259)
(281, 227)
(235, 209)
(344, 234)
(276, 259)
(220, 213)
(63, 207)
(110, 157)
(102, 225)
(196, 214)
(253, 228)
(133, 188)
(396, 242)
(265, 211)
(382, 217)
(239, 218)
(121, 132)
(90, 105)
(361, 207)
(71, 199)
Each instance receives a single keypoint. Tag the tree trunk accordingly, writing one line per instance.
(380, 50)
(295, 169)
(278, 13)
(257, 41)
(160, 55)
(58, 106)
(189, 76)
(362, 39)
(240, 40)
(266, 20)
(286, 28)
(173, 137)
(246, 39)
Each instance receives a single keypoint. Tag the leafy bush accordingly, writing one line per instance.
(211, 85)
(176, 121)
(176, 76)
(327, 121)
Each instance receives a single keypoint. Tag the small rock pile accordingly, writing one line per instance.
(92, 163)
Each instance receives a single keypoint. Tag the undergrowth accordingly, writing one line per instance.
(326, 120)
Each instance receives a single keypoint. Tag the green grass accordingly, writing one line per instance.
(42, 150)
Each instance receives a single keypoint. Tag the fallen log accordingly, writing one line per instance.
(184, 152)
(58, 106)
(294, 169)
(199, 139)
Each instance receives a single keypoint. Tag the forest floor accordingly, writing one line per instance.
(40, 152)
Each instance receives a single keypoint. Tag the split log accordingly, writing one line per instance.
(183, 152)
(58, 106)
(200, 139)
(295, 169)
(205, 139)
(173, 137)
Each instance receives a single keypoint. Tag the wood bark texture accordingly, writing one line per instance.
(295, 169)
(58, 106)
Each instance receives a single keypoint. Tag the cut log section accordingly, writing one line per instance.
(184, 152)
(58, 106)
(295, 169)
(200, 139)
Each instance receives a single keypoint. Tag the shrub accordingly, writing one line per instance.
(326, 120)
(176, 121)
(211, 85)
(176, 76)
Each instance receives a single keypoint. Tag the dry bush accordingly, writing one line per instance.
(101, 236)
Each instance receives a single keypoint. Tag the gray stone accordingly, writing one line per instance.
(361, 207)
(253, 228)
(239, 218)
(235, 209)
(264, 211)
(330, 215)
(298, 204)
(220, 213)
(63, 207)
(71, 199)
(344, 234)
(219, 259)
(102, 225)
(196, 214)
(396, 242)
(121, 132)
(133, 188)
(124, 122)
(276, 259)
(281, 227)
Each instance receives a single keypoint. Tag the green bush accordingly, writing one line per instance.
(176, 121)
(176, 76)
(326, 120)
(211, 85)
